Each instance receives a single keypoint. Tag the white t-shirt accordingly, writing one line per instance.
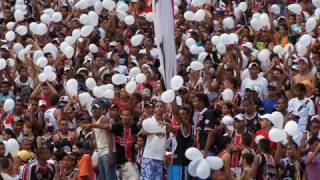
(260, 82)
(302, 108)
(154, 52)
(121, 69)
(28, 83)
(155, 147)
(102, 140)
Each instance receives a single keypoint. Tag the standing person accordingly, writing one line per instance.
(104, 141)
(301, 106)
(53, 115)
(6, 168)
(68, 170)
(154, 151)
(205, 122)
(41, 169)
(312, 160)
(182, 141)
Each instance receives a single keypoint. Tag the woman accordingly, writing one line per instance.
(225, 154)
(64, 132)
(68, 170)
(154, 151)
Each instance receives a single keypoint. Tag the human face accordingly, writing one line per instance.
(264, 123)
(302, 66)
(197, 103)
(159, 108)
(63, 126)
(314, 128)
(18, 127)
(26, 145)
(184, 114)
(67, 162)
(282, 105)
(126, 117)
(254, 71)
(246, 106)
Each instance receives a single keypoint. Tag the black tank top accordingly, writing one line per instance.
(181, 144)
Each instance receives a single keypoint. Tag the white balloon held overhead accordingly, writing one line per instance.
(8, 105)
(3, 63)
(168, 96)
(176, 82)
(129, 20)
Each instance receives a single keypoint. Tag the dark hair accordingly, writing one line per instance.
(203, 98)
(264, 145)
(248, 157)
(4, 163)
(313, 139)
(246, 139)
(223, 142)
(10, 132)
(41, 150)
(54, 100)
(301, 87)
(229, 106)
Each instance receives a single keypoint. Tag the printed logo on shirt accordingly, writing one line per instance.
(206, 121)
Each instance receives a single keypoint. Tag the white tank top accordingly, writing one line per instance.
(50, 118)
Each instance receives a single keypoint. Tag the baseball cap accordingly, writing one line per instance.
(146, 92)
(25, 91)
(88, 59)
(239, 117)
(254, 89)
(303, 59)
(100, 103)
(84, 117)
(295, 67)
(228, 121)
(24, 155)
(42, 103)
(272, 86)
(253, 64)
(64, 99)
(267, 116)
(67, 68)
(82, 69)
(248, 45)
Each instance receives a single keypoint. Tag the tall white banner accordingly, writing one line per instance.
(164, 31)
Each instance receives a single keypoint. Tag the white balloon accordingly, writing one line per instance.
(193, 153)
(301, 49)
(122, 15)
(41, 29)
(69, 52)
(192, 167)
(42, 77)
(198, 3)
(76, 33)
(108, 4)
(42, 62)
(278, 50)
(22, 30)
(305, 39)
(84, 19)
(70, 40)
(131, 87)
(122, 6)
(56, 17)
(196, 65)
(93, 48)
(51, 76)
(202, 56)
(316, 3)
(176, 82)
(215, 40)
(264, 55)
(311, 24)
(291, 128)
(13, 147)
(63, 47)
(264, 21)
(94, 18)
(277, 135)
(48, 69)
(227, 95)
(48, 11)
(18, 15)
(194, 49)
(221, 48)
(10, 36)
(215, 162)
(189, 16)
(33, 27)
(151, 126)
(288, 48)
(119, 79)
(45, 18)
(228, 23)
(91, 83)
(129, 20)
(199, 15)
(317, 13)
(10, 25)
(82, 4)
(203, 169)
(136, 40)
(190, 42)
(255, 24)
(8, 105)
(36, 55)
(134, 71)
(234, 38)
(109, 94)
(98, 92)
(275, 9)
(243, 6)
(3, 63)
(150, 17)
(72, 87)
(21, 55)
(98, 7)
(140, 78)
(295, 8)
(277, 119)
(168, 96)
(84, 98)
(224, 38)
(86, 30)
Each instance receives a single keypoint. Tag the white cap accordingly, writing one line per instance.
(42, 103)
(248, 45)
(228, 121)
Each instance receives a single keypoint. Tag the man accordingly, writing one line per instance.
(53, 115)
(104, 140)
(255, 80)
(301, 106)
(305, 76)
(41, 169)
(5, 92)
(312, 160)
(205, 123)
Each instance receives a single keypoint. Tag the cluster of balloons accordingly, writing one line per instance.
(169, 95)
(200, 166)
(48, 74)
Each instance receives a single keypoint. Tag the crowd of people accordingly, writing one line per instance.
(82, 96)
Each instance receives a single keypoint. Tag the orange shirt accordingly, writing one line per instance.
(85, 167)
(282, 41)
